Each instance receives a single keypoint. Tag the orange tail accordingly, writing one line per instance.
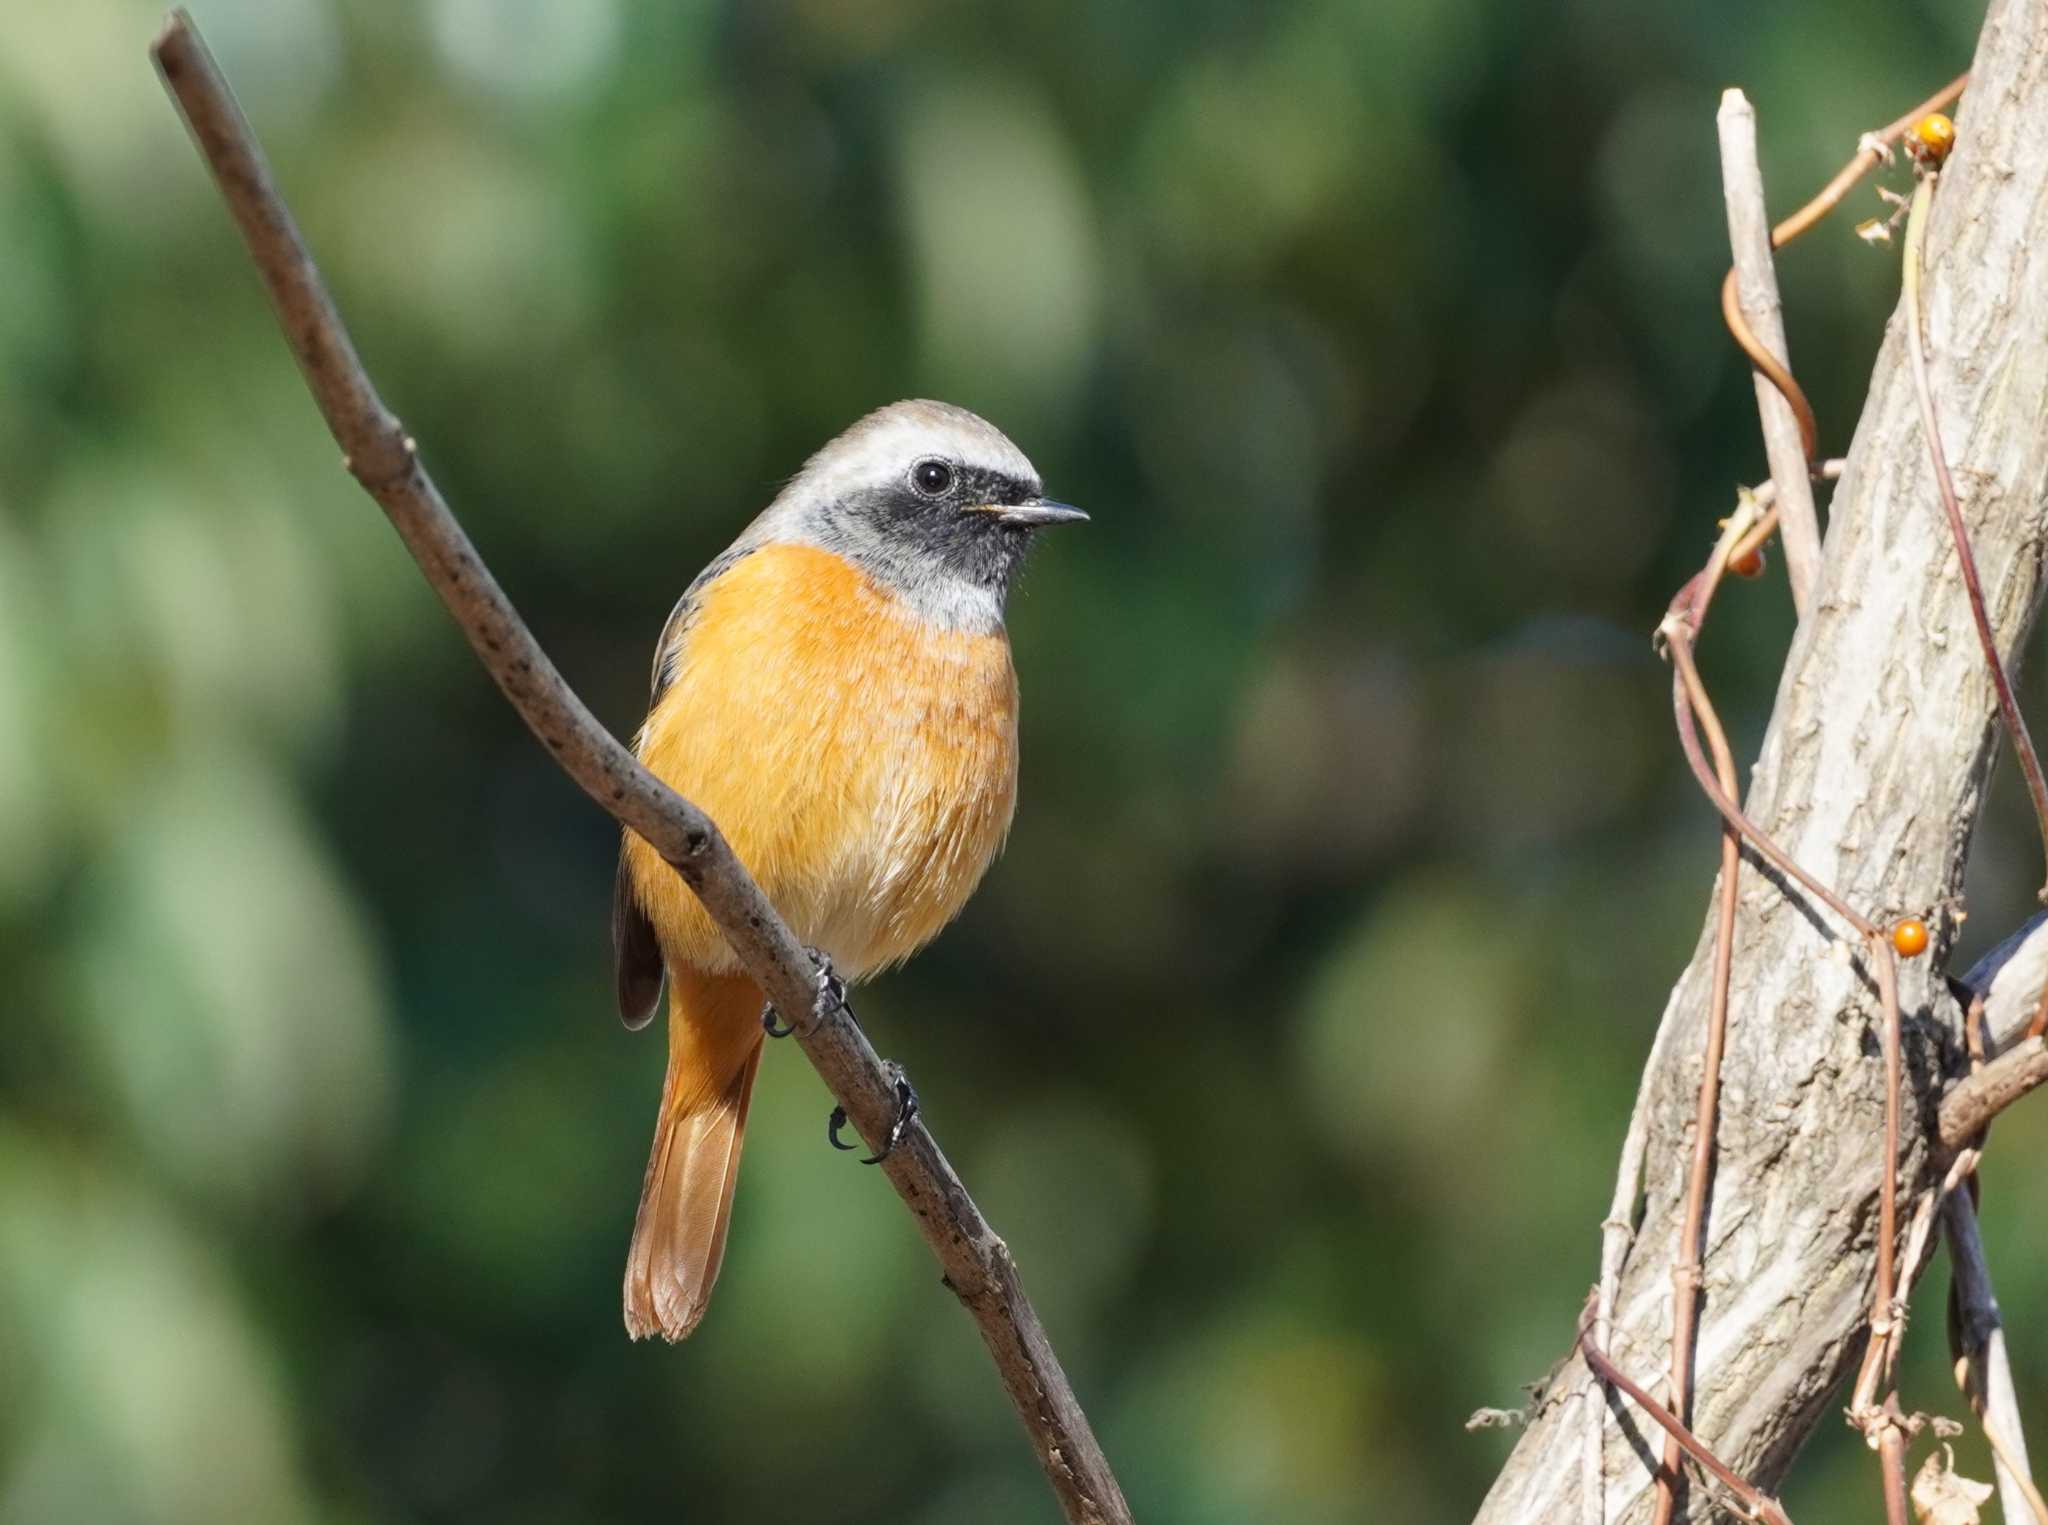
(686, 1201)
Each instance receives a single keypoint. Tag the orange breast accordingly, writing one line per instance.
(862, 763)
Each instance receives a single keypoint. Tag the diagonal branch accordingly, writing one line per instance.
(2002, 989)
(1755, 1503)
(1677, 633)
(1968, 1109)
(1754, 290)
(1989, 1369)
(977, 1264)
(1973, 585)
(1685, 1272)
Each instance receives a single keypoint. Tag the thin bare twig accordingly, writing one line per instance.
(1919, 1251)
(1757, 1504)
(2007, 1462)
(1887, 1309)
(1755, 289)
(1617, 1232)
(977, 1264)
(1685, 1269)
(2008, 706)
(1968, 1109)
(1891, 1453)
(1870, 152)
(1990, 1390)
(1886, 1303)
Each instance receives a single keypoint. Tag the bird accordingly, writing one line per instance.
(836, 691)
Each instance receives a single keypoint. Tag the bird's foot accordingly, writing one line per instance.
(831, 988)
(831, 992)
(906, 1110)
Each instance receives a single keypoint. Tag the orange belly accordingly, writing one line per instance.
(862, 763)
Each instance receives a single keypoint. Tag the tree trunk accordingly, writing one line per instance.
(1871, 775)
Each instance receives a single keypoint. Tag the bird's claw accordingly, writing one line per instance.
(831, 993)
(832, 1126)
(906, 1111)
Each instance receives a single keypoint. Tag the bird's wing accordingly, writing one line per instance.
(636, 952)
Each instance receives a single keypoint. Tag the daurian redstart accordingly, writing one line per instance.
(835, 691)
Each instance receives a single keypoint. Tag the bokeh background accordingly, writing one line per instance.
(1291, 1043)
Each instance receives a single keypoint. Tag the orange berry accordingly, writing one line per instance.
(1749, 564)
(1931, 138)
(1910, 937)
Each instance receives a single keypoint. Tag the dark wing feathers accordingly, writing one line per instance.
(636, 955)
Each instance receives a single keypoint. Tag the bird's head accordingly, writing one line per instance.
(931, 500)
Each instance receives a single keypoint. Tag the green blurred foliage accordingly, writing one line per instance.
(1292, 1041)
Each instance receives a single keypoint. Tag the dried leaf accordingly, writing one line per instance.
(1943, 1496)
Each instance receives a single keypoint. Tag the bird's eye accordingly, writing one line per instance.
(932, 478)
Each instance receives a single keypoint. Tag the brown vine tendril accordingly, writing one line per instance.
(1874, 150)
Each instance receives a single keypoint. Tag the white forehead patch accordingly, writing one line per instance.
(882, 448)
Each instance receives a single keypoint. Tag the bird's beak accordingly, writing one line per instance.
(1036, 514)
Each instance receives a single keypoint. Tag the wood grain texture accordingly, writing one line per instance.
(1872, 774)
